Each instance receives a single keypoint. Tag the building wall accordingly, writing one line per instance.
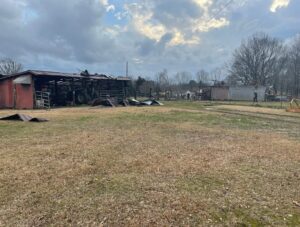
(246, 93)
(23, 98)
(6, 94)
(219, 93)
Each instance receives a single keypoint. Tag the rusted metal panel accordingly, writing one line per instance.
(6, 94)
(17, 96)
(24, 96)
(220, 93)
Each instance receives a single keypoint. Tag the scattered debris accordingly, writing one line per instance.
(146, 103)
(103, 102)
(108, 103)
(22, 117)
(133, 102)
(124, 103)
(151, 103)
(111, 102)
(155, 102)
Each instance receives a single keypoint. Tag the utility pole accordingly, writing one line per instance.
(127, 69)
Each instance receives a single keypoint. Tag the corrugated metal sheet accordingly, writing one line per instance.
(22, 117)
(23, 80)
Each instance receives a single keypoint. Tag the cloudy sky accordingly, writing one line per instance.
(101, 35)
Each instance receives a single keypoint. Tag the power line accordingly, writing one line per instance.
(221, 10)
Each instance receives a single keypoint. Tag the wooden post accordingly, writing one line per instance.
(73, 93)
(15, 95)
(55, 91)
(33, 92)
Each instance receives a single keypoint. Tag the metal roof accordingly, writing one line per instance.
(39, 73)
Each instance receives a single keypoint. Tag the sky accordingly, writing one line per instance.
(152, 35)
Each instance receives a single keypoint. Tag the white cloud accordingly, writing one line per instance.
(154, 20)
(150, 34)
(108, 7)
(277, 4)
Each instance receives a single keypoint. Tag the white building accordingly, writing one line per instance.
(246, 93)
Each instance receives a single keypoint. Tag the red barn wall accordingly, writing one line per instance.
(23, 96)
(6, 94)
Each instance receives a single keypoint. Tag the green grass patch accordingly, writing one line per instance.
(198, 183)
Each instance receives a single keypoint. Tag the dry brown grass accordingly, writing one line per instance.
(254, 109)
(146, 166)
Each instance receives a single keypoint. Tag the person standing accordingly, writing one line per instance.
(255, 98)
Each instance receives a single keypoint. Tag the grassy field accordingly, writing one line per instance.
(182, 164)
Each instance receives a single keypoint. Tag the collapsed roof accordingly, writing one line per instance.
(83, 75)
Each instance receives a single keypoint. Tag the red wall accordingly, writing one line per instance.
(6, 94)
(24, 95)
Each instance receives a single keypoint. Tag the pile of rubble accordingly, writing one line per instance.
(112, 102)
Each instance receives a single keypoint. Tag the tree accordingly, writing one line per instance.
(9, 66)
(147, 88)
(294, 66)
(254, 61)
(217, 74)
(202, 77)
(193, 85)
(163, 81)
(183, 77)
(139, 82)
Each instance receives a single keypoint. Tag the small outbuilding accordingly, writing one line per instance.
(34, 89)
(220, 93)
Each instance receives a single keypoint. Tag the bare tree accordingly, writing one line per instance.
(217, 74)
(254, 61)
(162, 81)
(183, 77)
(294, 66)
(9, 66)
(202, 77)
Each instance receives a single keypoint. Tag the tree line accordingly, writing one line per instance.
(260, 60)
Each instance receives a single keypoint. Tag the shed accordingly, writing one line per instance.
(219, 93)
(32, 89)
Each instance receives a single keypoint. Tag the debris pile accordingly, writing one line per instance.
(22, 117)
(107, 102)
(111, 102)
(151, 103)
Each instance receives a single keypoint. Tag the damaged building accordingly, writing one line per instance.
(43, 89)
